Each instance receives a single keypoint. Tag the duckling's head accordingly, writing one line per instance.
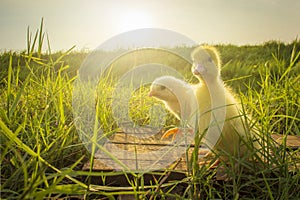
(206, 63)
(163, 87)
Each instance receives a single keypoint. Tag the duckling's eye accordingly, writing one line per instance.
(162, 87)
(209, 59)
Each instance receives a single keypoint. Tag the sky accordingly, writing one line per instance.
(87, 24)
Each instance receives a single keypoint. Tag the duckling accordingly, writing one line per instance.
(178, 97)
(212, 95)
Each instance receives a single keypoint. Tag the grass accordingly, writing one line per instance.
(42, 154)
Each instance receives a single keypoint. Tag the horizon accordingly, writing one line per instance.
(45, 50)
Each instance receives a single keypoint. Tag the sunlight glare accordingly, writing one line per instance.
(135, 20)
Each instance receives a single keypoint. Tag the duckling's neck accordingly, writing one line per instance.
(215, 88)
(211, 81)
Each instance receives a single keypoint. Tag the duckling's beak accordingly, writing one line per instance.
(200, 69)
(195, 72)
(151, 93)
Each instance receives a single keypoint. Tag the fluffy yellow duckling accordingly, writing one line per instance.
(213, 95)
(178, 97)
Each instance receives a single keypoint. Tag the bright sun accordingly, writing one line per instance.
(134, 20)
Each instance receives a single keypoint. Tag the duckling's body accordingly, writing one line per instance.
(221, 121)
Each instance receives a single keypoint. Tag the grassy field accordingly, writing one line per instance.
(42, 154)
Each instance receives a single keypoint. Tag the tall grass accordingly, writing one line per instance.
(42, 154)
(38, 139)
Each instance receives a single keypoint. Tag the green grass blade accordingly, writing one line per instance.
(41, 39)
(9, 82)
(18, 97)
